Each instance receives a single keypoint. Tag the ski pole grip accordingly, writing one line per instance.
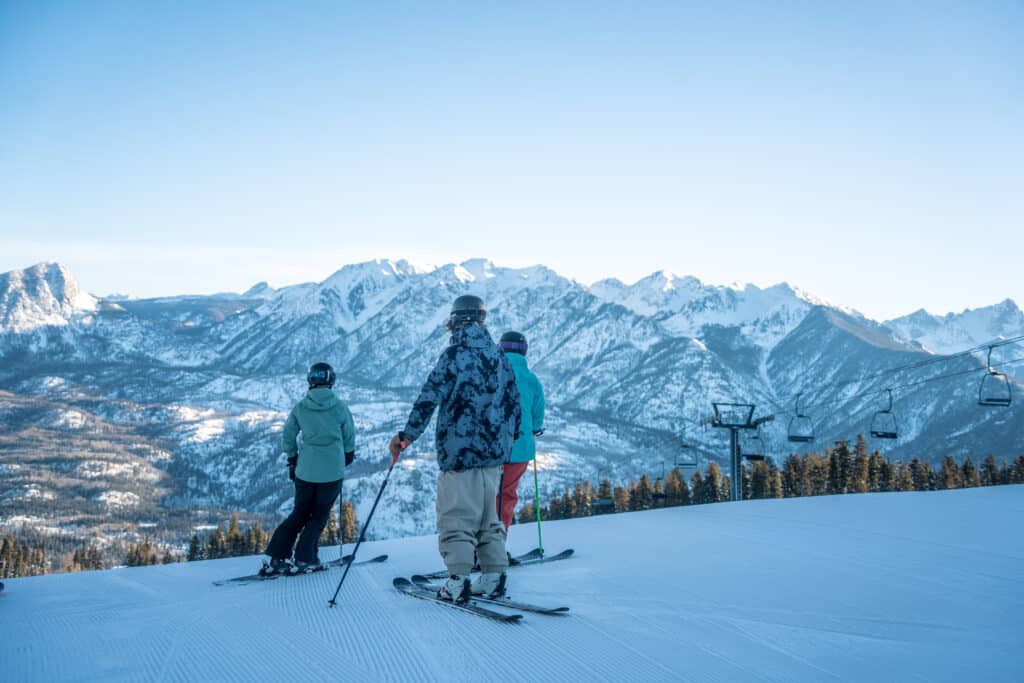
(394, 458)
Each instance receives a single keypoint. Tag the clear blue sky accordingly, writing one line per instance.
(868, 152)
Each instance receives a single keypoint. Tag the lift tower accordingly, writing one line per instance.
(734, 417)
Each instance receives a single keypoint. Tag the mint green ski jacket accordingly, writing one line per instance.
(328, 433)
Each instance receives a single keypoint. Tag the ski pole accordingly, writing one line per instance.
(341, 521)
(536, 506)
(362, 534)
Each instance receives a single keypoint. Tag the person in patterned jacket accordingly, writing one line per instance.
(473, 388)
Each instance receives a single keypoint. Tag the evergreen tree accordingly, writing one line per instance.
(526, 513)
(715, 487)
(989, 471)
(816, 468)
(877, 472)
(349, 523)
(641, 497)
(331, 534)
(840, 467)
(774, 481)
(860, 477)
(904, 478)
(793, 481)
(921, 473)
(697, 488)
(621, 497)
(760, 486)
(969, 472)
(1017, 471)
(950, 475)
(195, 549)
(236, 542)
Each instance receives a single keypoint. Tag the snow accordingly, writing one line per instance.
(118, 499)
(905, 586)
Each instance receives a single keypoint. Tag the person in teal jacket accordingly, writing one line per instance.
(531, 425)
(318, 469)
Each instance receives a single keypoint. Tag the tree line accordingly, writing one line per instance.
(839, 470)
(237, 542)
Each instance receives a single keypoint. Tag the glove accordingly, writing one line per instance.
(538, 432)
(349, 457)
(293, 460)
(398, 444)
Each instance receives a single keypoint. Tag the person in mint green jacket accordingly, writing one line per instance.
(531, 395)
(317, 467)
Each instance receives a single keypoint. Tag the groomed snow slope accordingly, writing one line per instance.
(882, 587)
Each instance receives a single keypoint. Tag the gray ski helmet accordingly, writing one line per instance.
(466, 309)
(320, 375)
(514, 342)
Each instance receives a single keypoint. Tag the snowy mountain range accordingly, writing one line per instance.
(198, 386)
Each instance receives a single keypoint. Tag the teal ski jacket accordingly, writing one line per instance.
(531, 396)
(328, 433)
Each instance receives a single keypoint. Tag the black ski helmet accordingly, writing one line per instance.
(320, 375)
(466, 309)
(514, 342)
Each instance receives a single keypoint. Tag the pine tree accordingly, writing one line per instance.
(641, 497)
(195, 549)
(989, 471)
(904, 478)
(950, 476)
(840, 467)
(969, 472)
(715, 488)
(877, 472)
(349, 523)
(793, 483)
(921, 473)
(760, 485)
(621, 497)
(526, 513)
(331, 533)
(860, 477)
(697, 488)
(774, 480)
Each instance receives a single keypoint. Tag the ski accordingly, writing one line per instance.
(407, 587)
(251, 578)
(424, 583)
(532, 557)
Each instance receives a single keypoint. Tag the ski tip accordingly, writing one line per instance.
(401, 582)
(379, 558)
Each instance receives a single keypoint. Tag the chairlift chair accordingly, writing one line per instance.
(994, 389)
(756, 455)
(883, 424)
(801, 429)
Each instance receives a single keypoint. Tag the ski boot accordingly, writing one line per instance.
(490, 585)
(456, 589)
(276, 567)
(307, 567)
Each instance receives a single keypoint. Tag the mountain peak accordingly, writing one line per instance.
(41, 295)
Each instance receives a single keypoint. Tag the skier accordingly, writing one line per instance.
(525, 448)
(474, 389)
(317, 468)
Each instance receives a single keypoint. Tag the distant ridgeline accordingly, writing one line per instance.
(26, 553)
(839, 470)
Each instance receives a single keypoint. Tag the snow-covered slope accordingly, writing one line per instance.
(876, 587)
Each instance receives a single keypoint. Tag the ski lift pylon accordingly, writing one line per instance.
(994, 389)
(883, 424)
(801, 429)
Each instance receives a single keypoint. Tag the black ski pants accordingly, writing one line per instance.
(313, 503)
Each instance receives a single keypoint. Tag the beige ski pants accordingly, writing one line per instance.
(467, 520)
